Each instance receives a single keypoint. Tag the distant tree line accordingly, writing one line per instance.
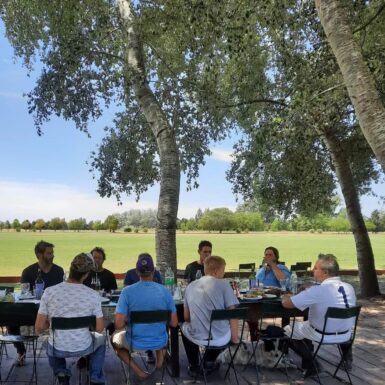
(223, 219)
(218, 219)
(131, 220)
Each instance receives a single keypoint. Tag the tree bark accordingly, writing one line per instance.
(165, 235)
(358, 80)
(365, 259)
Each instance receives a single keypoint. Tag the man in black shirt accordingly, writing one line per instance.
(50, 273)
(106, 277)
(204, 250)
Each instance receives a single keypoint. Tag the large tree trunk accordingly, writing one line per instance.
(358, 80)
(166, 141)
(365, 259)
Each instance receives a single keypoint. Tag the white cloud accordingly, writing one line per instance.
(222, 155)
(23, 200)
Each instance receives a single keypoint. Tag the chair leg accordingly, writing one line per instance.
(343, 362)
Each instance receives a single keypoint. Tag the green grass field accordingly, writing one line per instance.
(16, 249)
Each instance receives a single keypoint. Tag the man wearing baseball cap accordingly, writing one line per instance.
(142, 296)
(73, 299)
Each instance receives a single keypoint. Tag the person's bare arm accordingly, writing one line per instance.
(186, 314)
(234, 328)
(120, 321)
(174, 320)
(277, 271)
(287, 303)
(41, 323)
(99, 325)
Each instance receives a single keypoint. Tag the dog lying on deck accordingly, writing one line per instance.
(266, 355)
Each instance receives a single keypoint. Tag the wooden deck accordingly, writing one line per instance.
(368, 365)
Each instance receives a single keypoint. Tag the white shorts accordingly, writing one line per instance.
(217, 342)
(302, 329)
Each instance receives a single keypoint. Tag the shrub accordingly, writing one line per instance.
(145, 229)
(319, 231)
(128, 230)
(238, 230)
(311, 231)
(136, 231)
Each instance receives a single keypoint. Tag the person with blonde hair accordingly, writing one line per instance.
(211, 292)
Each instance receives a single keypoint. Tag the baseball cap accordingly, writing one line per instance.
(83, 263)
(145, 264)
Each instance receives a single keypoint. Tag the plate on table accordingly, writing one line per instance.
(23, 297)
(104, 300)
(35, 301)
(252, 299)
(270, 296)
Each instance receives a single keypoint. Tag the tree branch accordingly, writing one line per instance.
(262, 100)
(379, 10)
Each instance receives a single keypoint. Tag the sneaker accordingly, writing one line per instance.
(150, 357)
(63, 380)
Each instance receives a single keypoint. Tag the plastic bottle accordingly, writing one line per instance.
(169, 280)
(252, 281)
(97, 283)
(294, 282)
(39, 285)
(198, 274)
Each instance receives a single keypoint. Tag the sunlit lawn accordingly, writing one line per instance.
(16, 249)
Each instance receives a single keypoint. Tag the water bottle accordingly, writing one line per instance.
(39, 285)
(97, 283)
(169, 280)
(294, 282)
(198, 274)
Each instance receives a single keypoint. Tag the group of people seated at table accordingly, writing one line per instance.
(144, 291)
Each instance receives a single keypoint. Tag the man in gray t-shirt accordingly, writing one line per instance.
(202, 296)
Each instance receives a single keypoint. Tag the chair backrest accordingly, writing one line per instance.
(247, 267)
(239, 313)
(227, 314)
(303, 265)
(17, 314)
(342, 314)
(8, 289)
(67, 323)
(150, 316)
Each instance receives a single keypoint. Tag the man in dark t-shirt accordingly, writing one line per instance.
(50, 273)
(204, 250)
(106, 277)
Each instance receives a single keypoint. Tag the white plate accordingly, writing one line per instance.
(35, 301)
(258, 297)
(270, 296)
(104, 300)
(26, 296)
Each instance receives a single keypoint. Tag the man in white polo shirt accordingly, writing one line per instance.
(331, 292)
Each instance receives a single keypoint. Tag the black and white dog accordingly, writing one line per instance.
(268, 354)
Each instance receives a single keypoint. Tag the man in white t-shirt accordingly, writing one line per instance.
(331, 292)
(73, 299)
(201, 298)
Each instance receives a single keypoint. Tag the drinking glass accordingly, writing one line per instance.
(284, 283)
(24, 288)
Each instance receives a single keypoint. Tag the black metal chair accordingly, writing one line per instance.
(246, 268)
(18, 314)
(70, 323)
(275, 311)
(223, 315)
(340, 314)
(150, 317)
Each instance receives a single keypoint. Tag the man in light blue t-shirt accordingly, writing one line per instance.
(141, 296)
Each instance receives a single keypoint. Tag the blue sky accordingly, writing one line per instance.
(47, 176)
